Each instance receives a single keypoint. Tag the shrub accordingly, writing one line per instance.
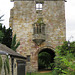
(65, 60)
(44, 60)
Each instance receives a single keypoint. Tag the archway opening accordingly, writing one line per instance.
(46, 59)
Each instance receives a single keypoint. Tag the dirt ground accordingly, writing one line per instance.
(44, 71)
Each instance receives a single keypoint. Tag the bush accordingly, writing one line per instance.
(65, 60)
(44, 60)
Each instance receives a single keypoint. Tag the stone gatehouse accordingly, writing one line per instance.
(39, 25)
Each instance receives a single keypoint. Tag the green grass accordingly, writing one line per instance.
(37, 73)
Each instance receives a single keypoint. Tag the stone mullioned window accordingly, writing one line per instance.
(39, 27)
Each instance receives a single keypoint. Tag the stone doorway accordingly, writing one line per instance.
(46, 59)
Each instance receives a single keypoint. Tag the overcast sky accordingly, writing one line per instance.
(6, 5)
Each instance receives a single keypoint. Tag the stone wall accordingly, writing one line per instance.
(10, 65)
(23, 15)
(15, 65)
(3, 61)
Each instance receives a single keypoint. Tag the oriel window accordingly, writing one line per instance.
(38, 28)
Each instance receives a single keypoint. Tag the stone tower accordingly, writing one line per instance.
(39, 25)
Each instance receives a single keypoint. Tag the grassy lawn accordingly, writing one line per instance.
(37, 73)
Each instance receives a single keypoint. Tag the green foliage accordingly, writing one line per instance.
(40, 20)
(0, 26)
(38, 73)
(1, 36)
(65, 60)
(7, 36)
(14, 45)
(1, 33)
(6, 66)
(44, 60)
(4, 29)
(72, 48)
(0, 63)
(62, 50)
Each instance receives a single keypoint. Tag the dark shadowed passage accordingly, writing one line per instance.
(46, 59)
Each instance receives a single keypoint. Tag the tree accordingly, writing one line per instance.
(1, 33)
(64, 61)
(0, 26)
(1, 36)
(14, 45)
(7, 39)
(5, 35)
(44, 60)
(64, 48)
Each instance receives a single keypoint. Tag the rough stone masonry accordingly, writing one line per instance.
(22, 18)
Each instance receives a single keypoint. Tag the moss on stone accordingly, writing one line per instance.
(40, 20)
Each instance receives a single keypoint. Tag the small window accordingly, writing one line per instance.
(38, 6)
(28, 58)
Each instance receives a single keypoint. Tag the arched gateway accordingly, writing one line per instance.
(39, 25)
(48, 50)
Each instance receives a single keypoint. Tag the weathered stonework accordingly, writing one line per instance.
(24, 14)
(10, 65)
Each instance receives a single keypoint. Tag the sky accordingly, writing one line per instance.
(6, 5)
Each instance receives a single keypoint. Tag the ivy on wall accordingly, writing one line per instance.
(14, 44)
(6, 66)
(0, 63)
